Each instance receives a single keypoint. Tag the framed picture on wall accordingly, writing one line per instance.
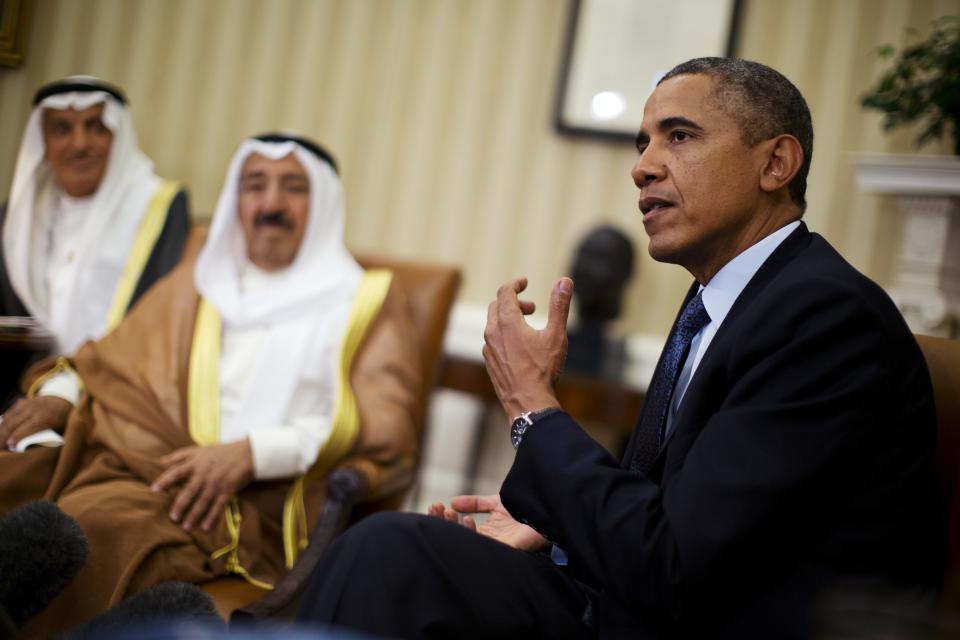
(14, 16)
(617, 50)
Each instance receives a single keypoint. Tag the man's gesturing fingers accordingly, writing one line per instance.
(475, 504)
(559, 310)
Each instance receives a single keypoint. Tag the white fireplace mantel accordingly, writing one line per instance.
(926, 285)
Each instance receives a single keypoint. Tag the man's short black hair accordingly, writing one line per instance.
(764, 104)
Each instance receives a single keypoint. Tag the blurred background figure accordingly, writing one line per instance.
(89, 226)
(602, 267)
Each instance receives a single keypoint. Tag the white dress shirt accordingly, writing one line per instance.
(64, 234)
(718, 297)
(279, 450)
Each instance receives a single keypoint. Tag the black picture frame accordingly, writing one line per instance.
(619, 132)
(14, 20)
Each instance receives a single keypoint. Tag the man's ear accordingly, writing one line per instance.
(784, 159)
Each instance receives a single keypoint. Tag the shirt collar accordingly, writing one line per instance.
(724, 288)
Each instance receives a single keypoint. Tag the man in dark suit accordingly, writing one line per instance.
(784, 454)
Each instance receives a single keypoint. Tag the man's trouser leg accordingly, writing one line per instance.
(410, 576)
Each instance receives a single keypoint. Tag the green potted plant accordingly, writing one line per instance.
(923, 85)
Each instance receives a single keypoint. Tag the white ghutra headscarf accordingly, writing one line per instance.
(115, 211)
(306, 305)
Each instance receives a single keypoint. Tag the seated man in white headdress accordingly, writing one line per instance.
(89, 227)
(212, 414)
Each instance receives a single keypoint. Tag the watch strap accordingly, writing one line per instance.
(526, 420)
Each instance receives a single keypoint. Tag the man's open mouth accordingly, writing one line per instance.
(652, 203)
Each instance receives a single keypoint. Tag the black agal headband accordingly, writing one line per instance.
(83, 85)
(309, 145)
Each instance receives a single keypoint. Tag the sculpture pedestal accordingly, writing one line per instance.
(926, 284)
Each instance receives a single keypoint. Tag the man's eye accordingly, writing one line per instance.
(679, 136)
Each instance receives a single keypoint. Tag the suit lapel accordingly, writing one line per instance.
(791, 246)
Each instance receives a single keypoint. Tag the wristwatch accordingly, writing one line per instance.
(523, 421)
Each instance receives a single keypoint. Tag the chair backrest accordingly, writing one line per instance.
(430, 291)
(943, 361)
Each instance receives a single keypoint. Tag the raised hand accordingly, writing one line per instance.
(522, 362)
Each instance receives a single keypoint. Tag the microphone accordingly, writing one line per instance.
(41, 551)
(179, 603)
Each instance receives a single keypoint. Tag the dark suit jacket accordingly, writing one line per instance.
(801, 460)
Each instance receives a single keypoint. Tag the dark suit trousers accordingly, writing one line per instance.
(412, 576)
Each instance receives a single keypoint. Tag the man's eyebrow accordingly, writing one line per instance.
(250, 175)
(678, 121)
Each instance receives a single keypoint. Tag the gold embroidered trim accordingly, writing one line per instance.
(346, 418)
(62, 364)
(203, 416)
(147, 234)
(203, 378)
(232, 550)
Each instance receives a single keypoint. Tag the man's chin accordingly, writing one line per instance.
(81, 188)
(663, 251)
(270, 257)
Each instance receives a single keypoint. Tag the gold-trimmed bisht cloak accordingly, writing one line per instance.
(135, 409)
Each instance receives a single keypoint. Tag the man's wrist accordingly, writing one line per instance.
(527, 419)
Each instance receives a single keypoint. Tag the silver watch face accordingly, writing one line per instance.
(517, 429)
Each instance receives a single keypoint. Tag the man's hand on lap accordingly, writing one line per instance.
(499, 525)
(30, 415)
(207, 478)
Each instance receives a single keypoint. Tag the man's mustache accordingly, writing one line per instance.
(273, 219)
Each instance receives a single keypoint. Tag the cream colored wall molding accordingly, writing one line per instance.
(926, 284)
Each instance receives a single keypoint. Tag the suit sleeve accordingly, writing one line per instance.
(795, 411)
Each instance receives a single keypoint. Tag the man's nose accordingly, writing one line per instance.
(273, 198)
(648, 168)
(79, 138)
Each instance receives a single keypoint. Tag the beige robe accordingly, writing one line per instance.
(134, 411)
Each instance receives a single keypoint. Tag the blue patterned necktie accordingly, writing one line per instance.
(649, 430)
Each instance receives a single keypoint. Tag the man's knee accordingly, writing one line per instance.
(387, 534)
(385, 547)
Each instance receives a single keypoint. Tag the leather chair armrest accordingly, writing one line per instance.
(344, 487)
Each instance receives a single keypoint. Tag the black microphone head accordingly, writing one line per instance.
(41, 551)
(166, 602)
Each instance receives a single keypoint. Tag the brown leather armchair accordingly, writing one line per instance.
(430, 290)
(943, 361)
